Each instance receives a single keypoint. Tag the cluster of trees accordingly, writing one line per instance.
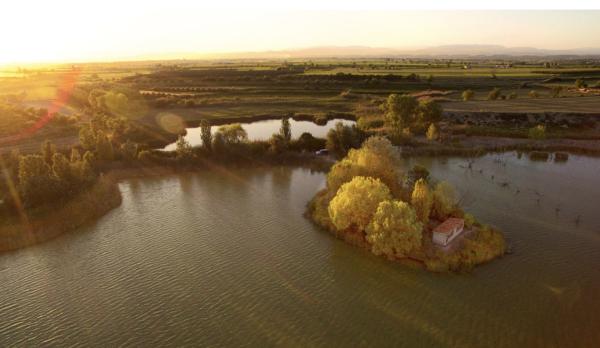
(15, 118)
(342, 138)
(365, 194)
(405, 114)
(48, 176)
(230, 142)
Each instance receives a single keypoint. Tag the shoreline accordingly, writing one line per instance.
(51, 222)
(431, 258)
(481, 145)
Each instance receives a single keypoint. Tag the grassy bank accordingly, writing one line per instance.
(49, 221)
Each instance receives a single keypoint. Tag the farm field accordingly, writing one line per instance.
(257, 89)
(584, 105)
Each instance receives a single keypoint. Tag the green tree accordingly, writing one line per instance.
(422, 200)
(444, 200)
(93, 98)
(36, 182)
(104, 148)
(468, 95)
(356, 201)
(183, 148)
(494, 94)
(89, 157)
(61, 168)
(432, 132)
(87, 137)
(307, 142)
(84, 169)
(376, 158)
(286, 130)
(400, 111)
(48, 150)
(129, 150)
(538, 132)
(341, 138)
(394, 230)
(429, 111)
(206, 134)
(218, 143)
(277, 143)
(75, 155)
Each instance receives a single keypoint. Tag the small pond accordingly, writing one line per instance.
(262, 130)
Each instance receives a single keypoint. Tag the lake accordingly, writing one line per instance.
(263, 130)
(225, 258)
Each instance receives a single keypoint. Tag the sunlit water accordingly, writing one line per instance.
(263, 130)
(227, 259)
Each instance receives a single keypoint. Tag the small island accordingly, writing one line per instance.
(370, 202)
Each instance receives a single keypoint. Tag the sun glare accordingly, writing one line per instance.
(116, 30)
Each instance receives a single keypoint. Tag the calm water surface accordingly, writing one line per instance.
(226, 259)
(263, 130)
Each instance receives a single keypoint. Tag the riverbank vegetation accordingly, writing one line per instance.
(370, 201)
(30, 226)
(102, 122)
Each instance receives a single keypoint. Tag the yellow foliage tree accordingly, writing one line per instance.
(422, 200)
(377, 158)
(356, 201)
(432, 132)
(444, 200)
(394, 230)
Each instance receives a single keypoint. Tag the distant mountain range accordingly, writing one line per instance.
(437, 51)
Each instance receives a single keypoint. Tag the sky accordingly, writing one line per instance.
(62, 30)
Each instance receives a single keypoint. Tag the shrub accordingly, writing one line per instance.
(233, 133)
(539, 156)
(432, 132)
(356, 201)
(366, 122)
(533, 94)
(494, 94)
(538, 132)
(467, 95)
(556, 91)
(580, 83)
(183, 148)
(469, 220)
(307, 142)
(561, 156)
(277, 143)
